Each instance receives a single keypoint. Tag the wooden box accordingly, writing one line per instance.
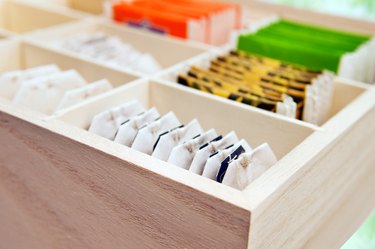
(62, 187)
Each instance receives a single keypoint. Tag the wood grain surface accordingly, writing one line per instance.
(58, 193)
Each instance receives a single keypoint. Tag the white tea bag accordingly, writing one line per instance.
(128, 131)
(107, 123)
(10, 82)
(169, 141)
(203, 154)
(147, 136)
(43, 94)
(249, 166)
(287, 108)
(183, 154)
(81, 94)
(213, 163)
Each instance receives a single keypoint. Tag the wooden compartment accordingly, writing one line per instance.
(166, 51)
(22, 55)
(129, 199)
(62, 187)
(20, 16)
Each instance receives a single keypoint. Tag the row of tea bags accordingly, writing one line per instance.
(203, 21)
(269, 84)
(111, 50)
(223, 158)
(347, 54)
(48, 89)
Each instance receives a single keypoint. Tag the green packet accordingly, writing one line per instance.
(328, 33)
(294, 53)
(309, 38)
(314, 47)
(364, 238)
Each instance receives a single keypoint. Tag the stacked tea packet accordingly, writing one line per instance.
(269, 84)
(349, 55)
(225, 159)
(203, 21)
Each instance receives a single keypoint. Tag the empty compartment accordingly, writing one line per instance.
(344, 92)
(166, 51)
(21, 16)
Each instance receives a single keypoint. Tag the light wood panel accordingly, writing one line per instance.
(61, 193)
(21, 16)
(307, 187)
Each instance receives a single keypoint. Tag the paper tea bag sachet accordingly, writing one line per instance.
(249, 166)
(11, 81)
(168, 141)
(43, 94)
(128, 130)
(147, 136)
(81, 94)
(107, 123)
(183, 154)
(213, 164)
(204, 153)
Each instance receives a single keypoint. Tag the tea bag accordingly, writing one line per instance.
(113, 51)
(128, 130)
(10, 82)
(213, 164)
(287, 108)
(168, 141)
(249, 166)
(225, 164)
(206, 150)
(43, 94)
(183, 154)
(147, 136)
(78, 95)
(107, 123)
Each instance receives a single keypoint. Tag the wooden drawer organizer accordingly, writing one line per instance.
(62, 187)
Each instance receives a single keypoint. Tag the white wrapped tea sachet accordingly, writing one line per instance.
(147, 136)
(107, 123)
(183, 154)
(287, 108)
(170, 140)
(112, 50)
(43, 94)
(128, 130)
(11, 81)
(81, 94)
(204, 153)
(249, 166)
(213, 163)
